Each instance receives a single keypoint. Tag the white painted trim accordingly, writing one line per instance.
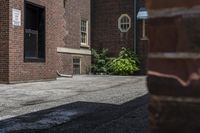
(178, 55)
(87, 32)
(74, 51)
(119, 22)
(85, 45)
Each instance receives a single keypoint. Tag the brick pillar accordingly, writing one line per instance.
(174, 66)
(4, 40)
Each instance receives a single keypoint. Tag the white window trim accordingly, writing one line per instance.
(119, 22)
(87, 32)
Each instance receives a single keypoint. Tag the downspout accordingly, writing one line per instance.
(135, 26)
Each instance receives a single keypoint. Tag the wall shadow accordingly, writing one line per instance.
(83, 117)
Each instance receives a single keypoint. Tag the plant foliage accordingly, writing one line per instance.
(126, 64)
(100, 61)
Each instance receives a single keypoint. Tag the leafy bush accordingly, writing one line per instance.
(100, 61)
(126, 64)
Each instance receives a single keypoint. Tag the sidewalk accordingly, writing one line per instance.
(28, 98)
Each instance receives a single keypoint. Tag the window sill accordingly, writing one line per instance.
(34, 60)
(85, 46)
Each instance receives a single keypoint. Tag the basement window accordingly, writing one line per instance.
(34, 33)
(76, 66)
(124, 23)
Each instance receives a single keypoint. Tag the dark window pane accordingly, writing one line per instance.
(31, 43)
(34, 46)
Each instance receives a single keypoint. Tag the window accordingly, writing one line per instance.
(76, 66)
(124, 23)
(64, 3)
(34, 33)
(84, 32)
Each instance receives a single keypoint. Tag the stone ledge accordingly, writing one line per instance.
(73, 51)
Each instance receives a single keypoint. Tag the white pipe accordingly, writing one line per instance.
(63, 75)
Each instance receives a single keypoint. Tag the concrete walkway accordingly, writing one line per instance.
(31, 97)
(27, 98)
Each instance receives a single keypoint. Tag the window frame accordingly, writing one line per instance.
(120, 23)
(86, 32)
(32, 59)
(75, 58)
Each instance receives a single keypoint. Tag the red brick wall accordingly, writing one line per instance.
(62, 30)
(4, 37)
(174, 66)
(75, 10)
(105, 32)
(66, 61)
(18, 69)
(161, 4)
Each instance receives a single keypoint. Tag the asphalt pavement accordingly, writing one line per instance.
(82, 104)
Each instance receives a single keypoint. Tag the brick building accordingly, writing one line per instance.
(75, 54)
(40, 37)
(115, 25)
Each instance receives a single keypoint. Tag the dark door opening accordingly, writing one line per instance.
(34, 33)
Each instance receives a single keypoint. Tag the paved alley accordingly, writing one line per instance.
(78, 96)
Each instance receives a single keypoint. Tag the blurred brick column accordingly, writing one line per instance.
(174, 66)
(143, 52)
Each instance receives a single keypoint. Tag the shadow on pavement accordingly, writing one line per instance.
(83, 117)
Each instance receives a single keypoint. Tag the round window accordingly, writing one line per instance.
(124, 23)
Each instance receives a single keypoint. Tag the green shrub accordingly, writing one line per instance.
(99, 61)
(126, 64)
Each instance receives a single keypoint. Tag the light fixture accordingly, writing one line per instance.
(143, 15)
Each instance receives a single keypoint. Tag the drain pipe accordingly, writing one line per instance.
(135, 26)
(63, 75)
